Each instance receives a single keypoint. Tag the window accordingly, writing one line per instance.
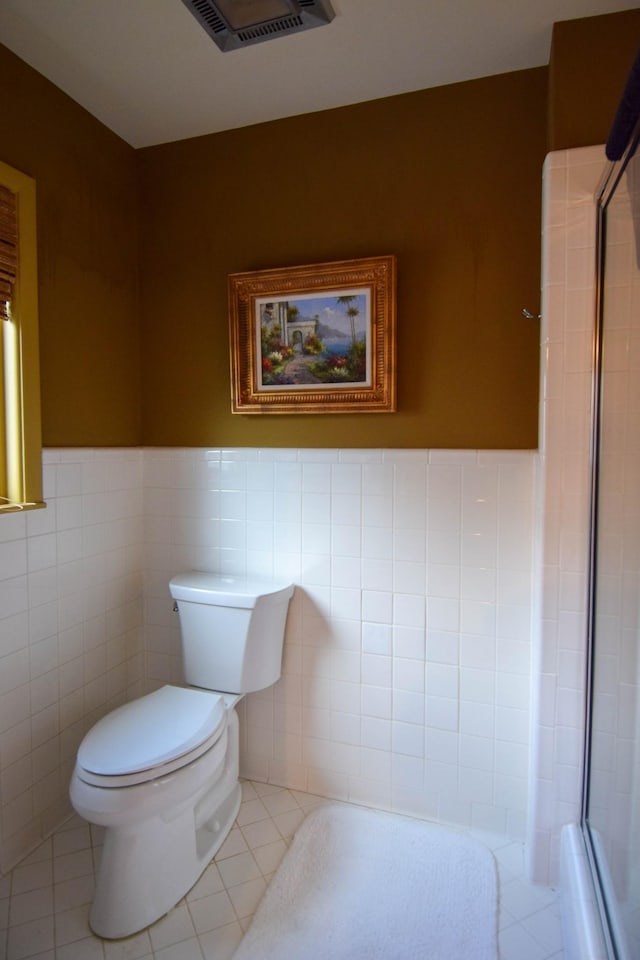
(20, 435)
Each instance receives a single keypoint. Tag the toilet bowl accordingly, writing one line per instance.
(160, 774)
(164, 822)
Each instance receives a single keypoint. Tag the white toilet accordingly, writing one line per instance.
(161, 773)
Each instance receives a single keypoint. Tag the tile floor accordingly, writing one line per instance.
(44, 902)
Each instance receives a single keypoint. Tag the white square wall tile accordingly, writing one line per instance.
(443, 647)
(377, 510)
(408, 738)
(409, 642)
(377, 543)
(41, 551)
(377, 606)
(408, 610)
(409, 706)
(408, 675)
(377, 574)
(409, 545)
(376, 702)
(442, 680)
(376, 670)
(442, 713)
(377, 638)
(375, 733)
(478, 617)
(346, 478)
(443, 614)
(13, 558)
(346, 540)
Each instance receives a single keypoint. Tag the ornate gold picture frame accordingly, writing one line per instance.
(314, 339)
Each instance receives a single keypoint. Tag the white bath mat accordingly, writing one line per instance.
(360, 885)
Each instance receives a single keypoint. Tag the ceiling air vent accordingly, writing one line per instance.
(233, 24)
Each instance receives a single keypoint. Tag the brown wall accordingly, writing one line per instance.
(437, 178)
(87, 257)
(589, 64)
(447, 179)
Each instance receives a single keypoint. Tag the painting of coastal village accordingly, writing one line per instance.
(310, 341)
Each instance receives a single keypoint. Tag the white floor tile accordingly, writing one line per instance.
(238, 869)
(88, 949)
(137, 947)
(545, 927)
(234, 844)
(209, 913)
(68, 866)
(29, 939)
(269, 856)
(521, 899)
(68, 841)
(32, 876)
(73, 893)
(280, 802)
(210, 882)
(245, 897)
(260, 834)
(221, 943)
(185, 950)
(72, 925)
(176, 926)
(517, 944)
(31, 906)
(252, 811)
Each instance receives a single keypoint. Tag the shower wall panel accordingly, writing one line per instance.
(563, 513)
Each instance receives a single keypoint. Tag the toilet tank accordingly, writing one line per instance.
(232, 630)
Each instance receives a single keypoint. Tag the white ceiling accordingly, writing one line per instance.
(148, 70)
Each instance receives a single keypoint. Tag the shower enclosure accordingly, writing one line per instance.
(584, 799)
(611, 802)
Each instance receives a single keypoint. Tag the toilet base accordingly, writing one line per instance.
(144, 871)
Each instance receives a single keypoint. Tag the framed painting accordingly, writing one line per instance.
(314, 339)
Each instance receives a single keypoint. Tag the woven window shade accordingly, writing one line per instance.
(8, 248)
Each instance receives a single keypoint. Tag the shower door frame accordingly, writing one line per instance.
(604, 194)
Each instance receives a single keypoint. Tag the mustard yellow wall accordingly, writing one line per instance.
(87, 257)
(448, 180)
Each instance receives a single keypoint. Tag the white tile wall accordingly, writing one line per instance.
(407, 657)
(407, 661)
(568, 311)
(70, 630)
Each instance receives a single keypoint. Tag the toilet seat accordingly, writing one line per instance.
(151, 737)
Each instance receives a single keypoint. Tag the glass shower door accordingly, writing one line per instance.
(612, 796)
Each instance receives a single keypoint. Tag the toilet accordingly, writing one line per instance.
(160, 773)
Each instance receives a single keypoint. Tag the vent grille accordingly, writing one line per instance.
(204, 11)
(312, 13)
(284, 25)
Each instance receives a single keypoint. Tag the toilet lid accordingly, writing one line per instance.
(152, 731)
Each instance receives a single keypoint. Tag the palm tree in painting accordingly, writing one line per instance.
(352, 313)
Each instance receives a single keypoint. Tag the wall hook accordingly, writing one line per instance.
(531, 316)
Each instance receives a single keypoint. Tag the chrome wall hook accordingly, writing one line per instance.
(531, 316)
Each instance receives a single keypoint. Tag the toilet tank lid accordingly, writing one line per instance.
(151, 730)
(202, 587)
